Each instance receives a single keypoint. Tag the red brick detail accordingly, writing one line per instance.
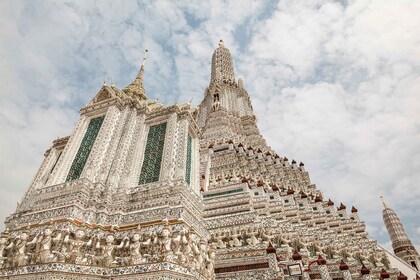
(241, 267)
(315, 276)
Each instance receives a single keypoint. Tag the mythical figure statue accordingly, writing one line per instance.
(75, 254)
(20, 254)
(267, 235)
(316, 249)
(301, 247)
(202, 255)
(188, 241)
(3, 248)
(176, 245)
(332, 253)
(219, 243)
(252, 240)
(45, 243)
(210, 261)
(234, 235)
(135, 247)
(285, 243)
(346, 255)
(107, 250)
(166, 241)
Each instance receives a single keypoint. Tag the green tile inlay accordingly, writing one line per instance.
(153, 154)
(222, 193)
(85, 148)
(188, 168)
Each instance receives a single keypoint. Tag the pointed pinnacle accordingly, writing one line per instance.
(383, 202)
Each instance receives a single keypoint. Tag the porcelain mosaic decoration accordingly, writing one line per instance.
(140, 190)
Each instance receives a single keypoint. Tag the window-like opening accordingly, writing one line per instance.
(153, 153)
(85, 148)
(216, 97)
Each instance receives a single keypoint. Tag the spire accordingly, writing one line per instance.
(222, 65)
(401, 243)
(136, 88)
(383, 202)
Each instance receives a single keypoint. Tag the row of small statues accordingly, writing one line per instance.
(255, 236)
(183, 247)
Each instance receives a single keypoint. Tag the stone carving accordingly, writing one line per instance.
(284, 243)
(188, 241)
(235, 236)
(106, 257)
(166, 242)
(45, 243)
(210, 261)
(252, 233)
(267, 235)
(135, 248)
(219, 243)
(19, 249)
(3, 248)
(257, 207)
(76, 247)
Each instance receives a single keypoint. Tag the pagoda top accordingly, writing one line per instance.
(222, 65)
(136, 88)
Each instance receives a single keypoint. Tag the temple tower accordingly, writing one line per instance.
(222, 65)
(140, 190)
(226, 111)
(118, 195)
(401, 244)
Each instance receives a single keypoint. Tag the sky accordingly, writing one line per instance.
(334, 84)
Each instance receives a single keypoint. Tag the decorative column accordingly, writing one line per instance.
(323, 269)
(306, 275)
(103, 151)
(344, 268)
(384, 274)
(401, 243)
(131, 174)
(365, 272)
(168, 157)
(354, 214)
(181, 149)
(297, 258)
(59, 175)
(120, 151)
(402, 276)
(272, 260)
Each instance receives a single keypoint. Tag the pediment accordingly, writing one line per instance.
(103, 94)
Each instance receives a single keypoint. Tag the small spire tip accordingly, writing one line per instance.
(144, 57)
(383, 202)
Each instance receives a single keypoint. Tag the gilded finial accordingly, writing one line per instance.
(221, 44)
(104, 83)
(136, 88)
(383, 202)
(139, 77)
(144, 57)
